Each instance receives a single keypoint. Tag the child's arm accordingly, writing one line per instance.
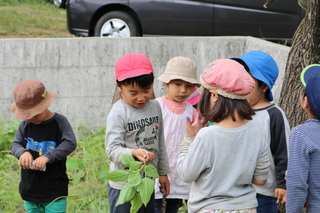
(260, 175)
(18, 149)
(279, 135)
(298, 170)
(115, 133)
(280, 131)
(68, 143)
(164, 184)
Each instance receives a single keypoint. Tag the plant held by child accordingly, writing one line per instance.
(139, 188)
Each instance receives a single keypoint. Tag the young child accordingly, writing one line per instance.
(180, 78)
(42, 143)
(303, 177)
(222, 160)
(135, 126)
(274, 124)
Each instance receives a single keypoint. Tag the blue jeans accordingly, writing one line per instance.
(125, 208)
(58, 206)
(266, 204)
(171, 207)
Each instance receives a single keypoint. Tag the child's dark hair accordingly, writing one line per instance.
(303, 94)
(142, 81)
(223, 108)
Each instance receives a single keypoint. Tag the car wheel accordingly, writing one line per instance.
(60, 3)
(116, 24)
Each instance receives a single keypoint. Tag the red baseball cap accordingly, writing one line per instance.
(132, 65)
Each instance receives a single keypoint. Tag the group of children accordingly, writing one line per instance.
(221, 151)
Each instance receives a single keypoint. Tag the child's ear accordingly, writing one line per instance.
(214, 95)
(118, 87)
(305, 103)
(265, 88)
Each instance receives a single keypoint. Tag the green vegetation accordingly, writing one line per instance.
(87, 166)
(137, 190)
(32, 19)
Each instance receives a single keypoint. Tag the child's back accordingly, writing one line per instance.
(303, 176)
(223, 160)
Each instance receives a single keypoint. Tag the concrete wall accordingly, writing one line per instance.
(81, 70)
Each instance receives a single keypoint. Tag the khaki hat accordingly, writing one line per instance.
(180, 68)
(31, 98)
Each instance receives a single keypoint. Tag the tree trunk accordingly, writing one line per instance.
(305, 50)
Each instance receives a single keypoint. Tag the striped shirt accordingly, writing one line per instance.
(303, 178)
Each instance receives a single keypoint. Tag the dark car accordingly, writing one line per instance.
(125, 18)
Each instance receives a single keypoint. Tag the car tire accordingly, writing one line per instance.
(116, 24)
(60, 3)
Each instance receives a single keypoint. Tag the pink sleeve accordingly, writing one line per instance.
(194, 114)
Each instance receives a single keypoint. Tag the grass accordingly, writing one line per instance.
(87, 167)
(32, 19)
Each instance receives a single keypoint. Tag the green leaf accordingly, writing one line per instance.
(135, 165)
(136, 203)
(126, 194)
(118, 176)
(151, 171)
(146, 189)
(134, 178)
(102, 173)
(126, 159)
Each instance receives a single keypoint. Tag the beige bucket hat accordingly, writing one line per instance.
(180, 68)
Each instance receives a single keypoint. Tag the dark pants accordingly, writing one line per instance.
(125, 208)
(171, 207)
(266, 204)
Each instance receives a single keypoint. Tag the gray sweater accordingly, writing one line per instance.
(129, 128)
(221, 164)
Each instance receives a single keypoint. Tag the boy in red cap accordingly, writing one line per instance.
(135, 126)
(42, 143)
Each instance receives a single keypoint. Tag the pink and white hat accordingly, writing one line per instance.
(194, 97)
(228, 78)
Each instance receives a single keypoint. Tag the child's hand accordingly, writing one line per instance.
(164, 184)
(194, 127)
(280, 194)
(40, 163)
(143, 155)
(25, 160)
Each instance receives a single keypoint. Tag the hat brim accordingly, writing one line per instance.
(167, 78)
(194, 100)
(308, 72)
(25, 114)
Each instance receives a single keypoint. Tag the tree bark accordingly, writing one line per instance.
(305, 50)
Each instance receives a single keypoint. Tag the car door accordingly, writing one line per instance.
(250, 18)
(175, 17)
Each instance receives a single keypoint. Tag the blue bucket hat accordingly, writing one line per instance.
(310, 78)
(262, 67)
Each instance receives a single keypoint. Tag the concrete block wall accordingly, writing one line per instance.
(81, 70)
